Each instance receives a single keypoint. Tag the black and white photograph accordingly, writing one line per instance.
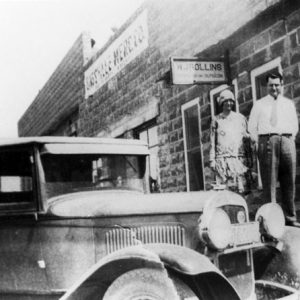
(150, 150)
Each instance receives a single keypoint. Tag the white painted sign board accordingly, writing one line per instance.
(131, 43)
(195, 70)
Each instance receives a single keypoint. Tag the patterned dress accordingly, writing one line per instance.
(230, 144)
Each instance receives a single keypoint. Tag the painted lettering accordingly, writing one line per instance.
(131, 43)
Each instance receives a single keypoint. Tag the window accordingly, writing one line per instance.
(215, 93)
(258, 82)
(71, 173)
(72, 128)
(149, 135)
(192, 144)
(16, 179)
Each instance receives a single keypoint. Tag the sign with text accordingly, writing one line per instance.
(195, 70)
(121, 52)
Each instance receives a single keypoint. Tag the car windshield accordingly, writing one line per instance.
(89, 172)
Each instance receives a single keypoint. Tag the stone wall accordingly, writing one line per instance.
(176, 28)
(272, 33)
(275, 33)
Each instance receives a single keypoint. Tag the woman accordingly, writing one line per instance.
(228, 140)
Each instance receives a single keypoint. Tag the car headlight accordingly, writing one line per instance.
(271, 219)
(215, 228)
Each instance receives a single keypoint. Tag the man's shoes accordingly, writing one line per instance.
(292, 223)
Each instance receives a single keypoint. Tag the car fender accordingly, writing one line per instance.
(196, 270)
(280, 266)
(185, 262)
(182, 259)
(98, 278)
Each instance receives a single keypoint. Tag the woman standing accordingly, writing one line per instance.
(229, 141)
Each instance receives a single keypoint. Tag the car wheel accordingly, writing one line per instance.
(142, 284)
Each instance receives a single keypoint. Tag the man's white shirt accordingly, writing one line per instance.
(259, 120)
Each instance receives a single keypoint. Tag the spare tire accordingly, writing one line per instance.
(142, 284)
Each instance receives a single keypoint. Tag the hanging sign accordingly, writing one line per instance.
(195, 70)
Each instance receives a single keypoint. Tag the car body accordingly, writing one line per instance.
(77, 221)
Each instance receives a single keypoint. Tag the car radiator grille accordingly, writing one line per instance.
(121, 237)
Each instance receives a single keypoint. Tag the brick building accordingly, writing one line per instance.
(54, 111)
(123, 90)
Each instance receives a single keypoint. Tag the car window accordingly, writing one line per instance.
(18, 184)
(70, 173)
(16, 179)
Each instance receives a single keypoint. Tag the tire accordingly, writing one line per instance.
(142, 284)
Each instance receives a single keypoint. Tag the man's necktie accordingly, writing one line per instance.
(273, 119)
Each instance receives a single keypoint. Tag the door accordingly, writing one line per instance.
(192, 145)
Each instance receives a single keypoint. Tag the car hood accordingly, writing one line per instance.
(121, 203)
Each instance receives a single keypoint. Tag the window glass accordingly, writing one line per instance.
(150, 136)
(193, 151)
(258, 75)
(154, 167)
(192, 127)
(16, 179)
(217, 108)
(70, 173)
(16, 184)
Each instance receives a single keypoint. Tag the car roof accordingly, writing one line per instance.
(56, 143)
(67, 140)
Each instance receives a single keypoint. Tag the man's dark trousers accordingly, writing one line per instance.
(277, 161)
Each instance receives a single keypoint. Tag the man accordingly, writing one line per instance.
(273, 124)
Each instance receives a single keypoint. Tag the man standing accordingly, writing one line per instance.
(273, 124)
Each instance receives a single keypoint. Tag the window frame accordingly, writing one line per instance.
(144, 128)
(260, 70)
(184, 107)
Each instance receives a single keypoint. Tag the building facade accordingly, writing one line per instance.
(124, 89)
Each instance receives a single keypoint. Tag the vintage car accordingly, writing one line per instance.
(78, 222)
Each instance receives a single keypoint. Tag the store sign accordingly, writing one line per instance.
(120, 53)
(195, 70)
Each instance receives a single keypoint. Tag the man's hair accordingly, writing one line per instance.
(274, 74)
